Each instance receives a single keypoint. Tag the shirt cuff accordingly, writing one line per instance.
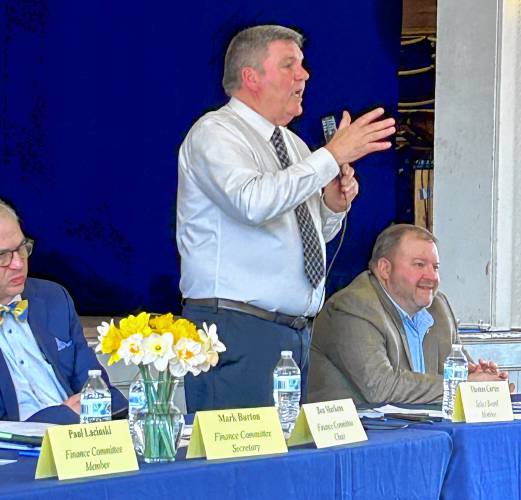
(327, 214)
(324, 164)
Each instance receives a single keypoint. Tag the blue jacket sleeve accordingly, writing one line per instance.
(85, 360)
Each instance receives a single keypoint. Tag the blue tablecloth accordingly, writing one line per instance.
(402, 464)
(485, 462)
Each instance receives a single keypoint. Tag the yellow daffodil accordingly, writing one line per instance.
(183, 328)
(114, 358)
(135, 324)
(110, 339)
(162, 341)
(163, 323)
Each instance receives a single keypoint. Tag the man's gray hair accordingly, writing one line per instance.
(389, 239)
(5, 207)
(248, 48)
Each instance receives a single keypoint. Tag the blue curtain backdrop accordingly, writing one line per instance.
(97, 96)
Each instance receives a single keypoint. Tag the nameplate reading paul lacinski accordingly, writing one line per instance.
(236, 433)
(81, 450)
(94, 458)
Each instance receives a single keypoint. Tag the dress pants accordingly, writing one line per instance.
(243, 378)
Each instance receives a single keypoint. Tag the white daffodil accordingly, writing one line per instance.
(103, 330)
(189, 358)
(131, 349)
(211, 333)
(212, 344)
(158, 350)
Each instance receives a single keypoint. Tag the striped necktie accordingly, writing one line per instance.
(313, 257)
(18, 309)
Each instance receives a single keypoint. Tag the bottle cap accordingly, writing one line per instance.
(93, 373)
(286, 354)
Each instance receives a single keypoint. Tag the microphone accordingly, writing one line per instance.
(328, 127)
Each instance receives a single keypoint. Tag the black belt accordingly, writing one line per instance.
(297, 322)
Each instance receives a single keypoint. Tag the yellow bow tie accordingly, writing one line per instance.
(18, 309)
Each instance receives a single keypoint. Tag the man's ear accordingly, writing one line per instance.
(384, 267)
(250, 78)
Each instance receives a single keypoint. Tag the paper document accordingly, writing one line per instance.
(8, 445)
(185, 436)
(24, 428)
(370, 413)
(408, 411)
(5, 462)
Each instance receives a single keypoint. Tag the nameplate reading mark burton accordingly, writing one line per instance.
(236, 433)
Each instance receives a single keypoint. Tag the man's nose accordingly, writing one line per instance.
(302, 74)
(16, 262)
(431, 273)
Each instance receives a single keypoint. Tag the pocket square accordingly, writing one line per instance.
(61, 344)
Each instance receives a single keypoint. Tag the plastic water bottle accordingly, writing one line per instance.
(137, 401)
(95, 401)
(455, 370)
(286, 391)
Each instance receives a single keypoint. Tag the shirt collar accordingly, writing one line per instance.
(263, 126)
(16, 298)
(422, 317)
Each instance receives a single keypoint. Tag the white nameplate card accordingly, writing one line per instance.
(330, 423)
(82, 450)
(483, 402)
(236, 433)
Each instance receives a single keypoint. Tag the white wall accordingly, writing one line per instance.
(477, 210)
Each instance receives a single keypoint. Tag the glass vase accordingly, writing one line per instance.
(159, 424)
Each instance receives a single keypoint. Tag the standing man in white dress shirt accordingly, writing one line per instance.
(254, 210)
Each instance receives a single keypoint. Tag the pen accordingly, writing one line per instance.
(417, 417)
(18, 438)
(29, 453)
(408, 414)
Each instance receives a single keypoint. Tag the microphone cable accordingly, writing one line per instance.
(329, 128)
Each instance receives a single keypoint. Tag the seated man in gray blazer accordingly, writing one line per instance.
(384, 338)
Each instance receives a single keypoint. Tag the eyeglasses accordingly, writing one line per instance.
(23, 250)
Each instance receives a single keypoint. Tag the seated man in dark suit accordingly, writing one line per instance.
(384, 338)
(44, 357)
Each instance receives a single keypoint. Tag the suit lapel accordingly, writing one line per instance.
(397, 320)
(8, 391)
(430, 351)
(38, 321)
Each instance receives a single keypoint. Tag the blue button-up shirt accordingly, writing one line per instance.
(416, 327)
(34, 380)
